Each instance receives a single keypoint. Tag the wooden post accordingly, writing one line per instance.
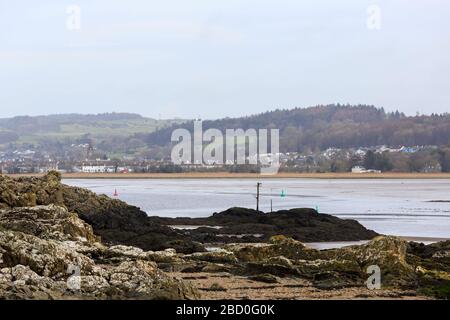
(257, 195)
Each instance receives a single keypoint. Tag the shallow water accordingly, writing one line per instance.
(398, 207)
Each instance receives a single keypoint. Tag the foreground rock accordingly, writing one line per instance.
(330, 268)
(50, 248)
(47, 222)
(48, 253)
(400, 265)
(432, 263)
(113, 220)
(247, 225)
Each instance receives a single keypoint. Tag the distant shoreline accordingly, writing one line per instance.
(226, 175)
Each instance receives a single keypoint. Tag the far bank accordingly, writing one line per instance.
(227, 175)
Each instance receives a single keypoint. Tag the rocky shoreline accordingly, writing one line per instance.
(61, 242)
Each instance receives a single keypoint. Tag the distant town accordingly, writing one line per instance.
(356, 160)
(323, 138)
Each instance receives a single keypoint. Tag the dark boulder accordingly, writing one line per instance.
(247, 225)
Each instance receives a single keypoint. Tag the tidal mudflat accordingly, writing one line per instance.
(416, 208)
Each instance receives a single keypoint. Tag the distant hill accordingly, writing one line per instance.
(325, 126)
(118, 135)
(27, 129)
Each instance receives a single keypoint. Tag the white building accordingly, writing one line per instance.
(359, 169)
(94, 169)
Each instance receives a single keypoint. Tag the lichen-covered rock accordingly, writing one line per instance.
(165, 256)
(93, 284)
(24, 275)
(282, 261)
(220, 256)
(388, 253)
(277, 246)
(48, 253)
(432, 264)
(309, 268)
(143, 279)
(332, 273)
(435, 255)
(251, 252)
(29, 192)
(329, 268)
(434, 283)
(126, 251)
(47, 258)
(47, 222)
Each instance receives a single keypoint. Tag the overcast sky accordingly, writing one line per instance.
(211, 58)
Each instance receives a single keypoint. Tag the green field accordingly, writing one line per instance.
(31, 130)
